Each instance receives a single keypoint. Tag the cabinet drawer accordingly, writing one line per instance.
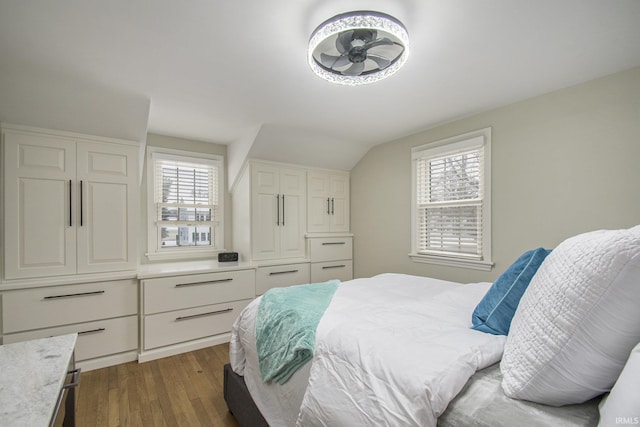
(27, 309)
(175, 293)
(185, 325)
(281, 275)
(330, 248)
(323, 271)
(95, 339)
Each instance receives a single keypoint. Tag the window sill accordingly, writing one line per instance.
(182, 254)
(473, 264)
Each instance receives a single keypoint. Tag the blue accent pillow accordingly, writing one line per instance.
(494, 312)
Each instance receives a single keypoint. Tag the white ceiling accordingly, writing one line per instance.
(217, 70)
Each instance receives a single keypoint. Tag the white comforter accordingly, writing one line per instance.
(390, 350)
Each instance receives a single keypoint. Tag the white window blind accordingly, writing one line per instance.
(451, 218)
(450, 203)
(186, 199)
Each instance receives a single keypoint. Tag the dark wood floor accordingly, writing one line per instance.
(182, 390)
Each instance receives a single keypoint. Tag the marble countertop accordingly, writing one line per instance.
(33, 372)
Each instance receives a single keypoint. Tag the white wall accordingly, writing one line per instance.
(563, 163)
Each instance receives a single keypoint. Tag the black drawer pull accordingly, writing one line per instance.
(82, 294)
(274, 273)
(211, 313)
(92, 331)
(184, 285)
(333, 243)
(333, 266)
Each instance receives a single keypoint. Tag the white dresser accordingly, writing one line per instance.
(103, 314)
(190, 305)
(331, 257)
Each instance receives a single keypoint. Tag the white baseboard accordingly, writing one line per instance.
(172, 350)
(106, 361)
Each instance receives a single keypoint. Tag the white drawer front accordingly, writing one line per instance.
(323, 271)
(186, 325)
(175, 293)
(281, 275)
(330, 248)
(38, 308)
(95, 339)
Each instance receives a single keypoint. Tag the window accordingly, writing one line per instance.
(185, 210)
(451, 201)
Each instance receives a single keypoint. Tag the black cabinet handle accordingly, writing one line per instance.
(328, 209)
(275, 273)
(184, 285)
(80, 203)
(70, 204)
(278, 209)
(82, 294)
(283, 210)
(195, 316)
(326, 267)
(92, 331)
(333, 243)
(332, 206)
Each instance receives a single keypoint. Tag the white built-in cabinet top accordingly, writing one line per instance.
(70, 203)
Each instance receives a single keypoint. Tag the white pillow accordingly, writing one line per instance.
(623, 404)
(578, 320)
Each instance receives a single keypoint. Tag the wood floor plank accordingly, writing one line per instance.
(176, 391)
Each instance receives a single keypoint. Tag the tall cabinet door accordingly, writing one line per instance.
(39, 220)
(318, 219)
(293, 190)
(265, 211)
(339, 191)
(108, 199)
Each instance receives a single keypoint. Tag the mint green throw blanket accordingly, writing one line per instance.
(286, 327)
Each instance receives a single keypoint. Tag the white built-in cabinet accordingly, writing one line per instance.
(278, 276)
(328, 202)
(70, 204)
(281, 212)
(275, 197)
(70, 209)
(331, 257)
(191, 311)
(104, 314)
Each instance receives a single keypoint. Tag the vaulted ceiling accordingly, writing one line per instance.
(227, 71)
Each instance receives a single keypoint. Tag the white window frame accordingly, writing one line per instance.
(442, 147)
(154, 252)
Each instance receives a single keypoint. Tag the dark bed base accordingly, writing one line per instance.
(239, 401)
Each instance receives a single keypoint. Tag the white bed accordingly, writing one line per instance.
(418, 326)
(398, 350)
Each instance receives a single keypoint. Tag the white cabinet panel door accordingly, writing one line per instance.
(278, 212)
(293, 190)
(39, 220)
(319, 203)
(328, 201)
(107, 178)
(339, 217)
(265, 212)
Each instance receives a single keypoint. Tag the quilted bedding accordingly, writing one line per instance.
(390, 350)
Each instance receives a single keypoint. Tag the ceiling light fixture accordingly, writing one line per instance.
(360, 47)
